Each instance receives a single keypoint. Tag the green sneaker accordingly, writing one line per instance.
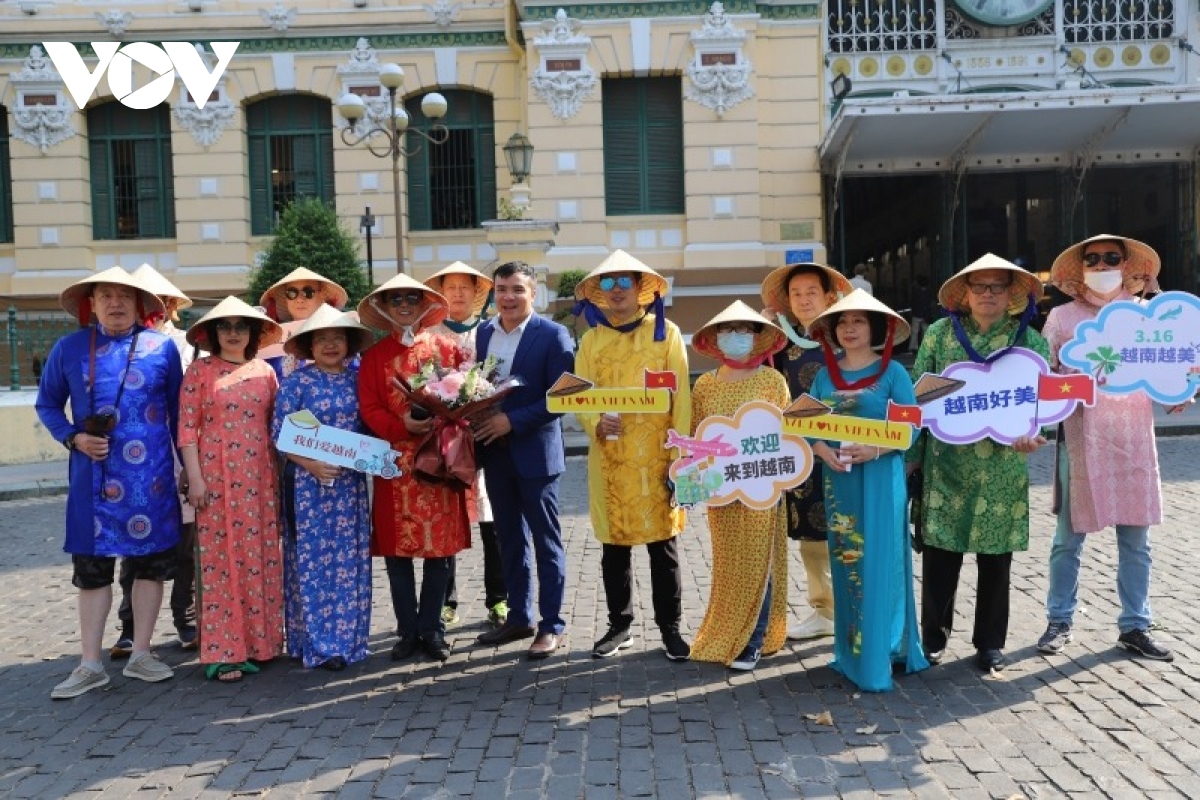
(498, 614)
(449, 615)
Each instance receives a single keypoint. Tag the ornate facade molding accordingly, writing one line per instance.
(41, 116)
(360, 76)
(115, 21)
(719, 71)
(205, 124)
(443, 12)
(563, 79)
(279, 18)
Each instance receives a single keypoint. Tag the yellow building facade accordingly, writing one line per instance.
(684, 132)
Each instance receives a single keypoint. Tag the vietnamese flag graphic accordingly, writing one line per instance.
(898, 412)
(1067, 387)
(661, 380)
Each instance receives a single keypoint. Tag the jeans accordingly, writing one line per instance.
(423, 619)
(764, 617)
(1133, 567)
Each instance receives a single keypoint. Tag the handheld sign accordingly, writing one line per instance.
(1011, 397)
(1131, 347)
(572, 394)
(747, 459)
(808, 416)
(302, 435)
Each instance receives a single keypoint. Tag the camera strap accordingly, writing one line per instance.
(92, 371)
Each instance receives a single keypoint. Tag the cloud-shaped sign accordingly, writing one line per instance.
(997, 401)
(1153, 348)
(747, 458)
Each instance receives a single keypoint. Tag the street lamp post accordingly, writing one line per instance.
(388, 141)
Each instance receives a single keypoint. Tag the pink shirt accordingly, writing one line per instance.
(1114, 460)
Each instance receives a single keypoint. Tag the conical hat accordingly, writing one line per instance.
(483, 284)
(858, 300)
(620, 261)
(231, 306)
(775, 289)
(75, 298)
(358, 337)
(1140, 270)
(159, 286)
(371, 310)
(273, 300)
(768, 341)
(953, 294)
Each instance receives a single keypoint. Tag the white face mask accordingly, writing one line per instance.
(735, 345)
(1104, 282)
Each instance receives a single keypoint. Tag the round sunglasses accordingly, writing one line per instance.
(608, 284)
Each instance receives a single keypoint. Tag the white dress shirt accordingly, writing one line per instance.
(504, 344)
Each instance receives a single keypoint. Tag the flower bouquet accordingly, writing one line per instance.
(454, 396)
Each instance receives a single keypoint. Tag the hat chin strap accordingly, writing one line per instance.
(835, 372)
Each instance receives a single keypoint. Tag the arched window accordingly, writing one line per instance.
(291, 155)
(133, 186)
(452, 186)
(6, 217)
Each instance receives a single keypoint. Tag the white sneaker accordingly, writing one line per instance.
(814, 627)
(147, 667)
(80, 680)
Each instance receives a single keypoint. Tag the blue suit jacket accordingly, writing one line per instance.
(535, 444)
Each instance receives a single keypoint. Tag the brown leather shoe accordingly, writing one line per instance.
(544, 645)
(505, 633)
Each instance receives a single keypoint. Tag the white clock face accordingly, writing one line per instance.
(1003, 12)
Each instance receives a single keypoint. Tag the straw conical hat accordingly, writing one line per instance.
(858, 300)
(768, 341)
(1140, 270)
(358, 337)
(953, 294)
(273, 300)
(620, 261)
(159, 286)
(372, 312)
(231, 306)
(775, 285)
(75, 298)
(483, 284)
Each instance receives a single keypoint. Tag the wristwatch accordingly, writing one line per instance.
(69, 442)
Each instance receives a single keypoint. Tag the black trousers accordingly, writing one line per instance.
(183, 595)
(493, 570)
(940, 569)
(665, 584)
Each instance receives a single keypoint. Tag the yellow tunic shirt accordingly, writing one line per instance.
(628, 495)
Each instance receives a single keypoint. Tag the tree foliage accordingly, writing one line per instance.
(309, 234)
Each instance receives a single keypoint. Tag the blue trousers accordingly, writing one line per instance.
(1133, 566)
(527, 528)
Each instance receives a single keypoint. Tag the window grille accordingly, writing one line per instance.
(872, 26)
(133, 186)
(1126, 21)
(291, 155)
(452, 186)
(6, 218)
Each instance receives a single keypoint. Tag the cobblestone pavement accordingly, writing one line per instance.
(1091, 723)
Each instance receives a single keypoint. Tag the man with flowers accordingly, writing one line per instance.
(412, 517)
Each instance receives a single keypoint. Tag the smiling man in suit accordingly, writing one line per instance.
(523, 459)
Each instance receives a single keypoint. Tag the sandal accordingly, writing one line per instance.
(229, 673)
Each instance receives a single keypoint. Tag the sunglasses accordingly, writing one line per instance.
(412, 298)
(988, 288)
(608, 284)
(241, 326)
(1110, 258)
(291, 293)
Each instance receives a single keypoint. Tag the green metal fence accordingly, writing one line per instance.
(27, 339)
